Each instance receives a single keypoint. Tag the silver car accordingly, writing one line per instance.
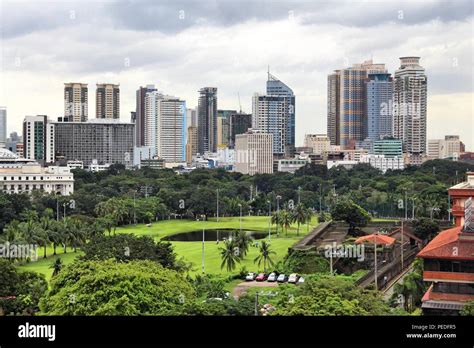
(272, 277)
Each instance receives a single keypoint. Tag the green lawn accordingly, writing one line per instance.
(191, 251)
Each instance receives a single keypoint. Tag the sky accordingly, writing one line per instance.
(184, 45)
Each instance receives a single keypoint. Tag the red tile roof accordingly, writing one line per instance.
(430, 295)
(447, 245)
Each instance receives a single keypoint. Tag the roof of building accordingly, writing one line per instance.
(469, 184)
(7, 154)
(448, 245)
(445, 298)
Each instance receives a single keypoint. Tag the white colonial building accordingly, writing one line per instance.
(18, 175)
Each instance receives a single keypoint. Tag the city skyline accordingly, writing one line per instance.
(233, 57)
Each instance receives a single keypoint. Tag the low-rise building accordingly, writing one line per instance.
(292, 165)
(383, 162)
(25, 176)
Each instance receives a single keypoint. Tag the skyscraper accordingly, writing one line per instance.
(207, 120)
(409, 107)
(107, 101)
(165, 126)
(223, 126)
(140, 114)
(274, 113)
(347, 115)
(239, 124)
(378, 99)
(191, 143)
(3, 126)
(38, 139)
(76, 102)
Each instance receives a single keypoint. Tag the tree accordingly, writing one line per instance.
(468, 309)
(57, 265)
(286, 219)
(20, 292)
(242, 240)
(300, 216)
(230, 255)
(425, 228)
(127, 247)
(353, 214)
(107, 287)
(264, 255)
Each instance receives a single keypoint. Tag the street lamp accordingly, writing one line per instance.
(240, 206)
(278, 202)
(217, 205)
(269, 219)
(299, 194)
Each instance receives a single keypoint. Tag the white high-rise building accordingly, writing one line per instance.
(165, 126)
(254, 152)
(3, 126)
(38, 139)
(409, 107)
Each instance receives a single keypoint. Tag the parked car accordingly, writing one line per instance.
(293, 278)
(261, 277)
(272, 277)
(300, 280)
(282, 278)
(251, 276)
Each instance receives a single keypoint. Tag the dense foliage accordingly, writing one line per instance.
(114, 288)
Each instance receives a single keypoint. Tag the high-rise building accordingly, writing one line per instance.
(38, 139)
(409, 107)
(449, 147)
(101, 141)
(254, 152)
(223, 126)
(165, 126)
(191, 144)
(274, 113)
(191, 117)
(333, 108)
(378, 101)
(3, 126)
(76, 102)
(239, 124)
(319, 143)
(347, 114)
(140, 114)
(207, 120)
(389, 147)
(107, 101)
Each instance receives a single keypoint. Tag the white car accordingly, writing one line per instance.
(272, 277)
(251, 276)
(293, 278)
(300, 281)
(281, 278)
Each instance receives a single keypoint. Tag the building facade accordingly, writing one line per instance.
(25, 176)
(383, 162)
(140, 114)
(388, 147)
(274, 113)
(191, 144)
(409, 107)
(207, 120)
(38, 139)
(378, 101)
(107, 101)
(448, 148)
(107, 141)
(319, 143)
(3, 126)
(76, 102)
(459, 194)
(239, 124)
(254, 152)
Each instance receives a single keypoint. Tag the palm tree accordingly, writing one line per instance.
(242, 240)
(276, 217)
(57, 265)
(300, 215)
(264, 256)
(45, 227)
(286, 219)
(229, 256)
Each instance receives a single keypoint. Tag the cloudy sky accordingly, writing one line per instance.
(181, 46)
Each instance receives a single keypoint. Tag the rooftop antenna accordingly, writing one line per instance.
(268, 71)
(240, 105)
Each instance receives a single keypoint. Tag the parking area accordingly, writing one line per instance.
(241, 288)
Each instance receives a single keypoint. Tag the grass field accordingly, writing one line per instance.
(192, 251)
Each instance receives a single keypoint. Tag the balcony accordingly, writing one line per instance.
(456, 277)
